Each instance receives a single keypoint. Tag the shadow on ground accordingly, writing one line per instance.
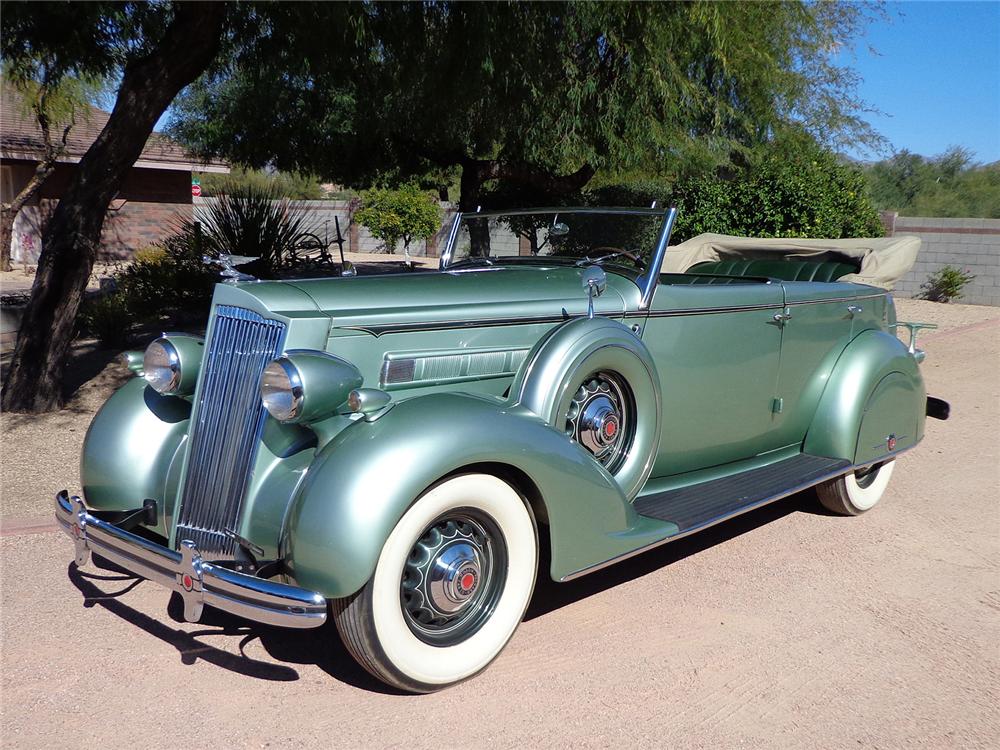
(322, 646)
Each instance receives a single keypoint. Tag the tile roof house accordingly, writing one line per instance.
(154, 197)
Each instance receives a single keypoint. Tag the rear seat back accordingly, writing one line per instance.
(785, 270)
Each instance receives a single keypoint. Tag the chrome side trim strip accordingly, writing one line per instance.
(197, 581)
(378, 330)
(720, 519)
(704, 310)
(833, 299)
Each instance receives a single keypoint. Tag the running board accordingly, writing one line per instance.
(699, 505)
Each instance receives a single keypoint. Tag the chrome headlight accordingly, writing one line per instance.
(306, 386)
(161, 366)
(281, 389)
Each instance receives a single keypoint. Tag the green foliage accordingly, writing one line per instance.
(109, 319)
(792, 188)
(406, 214)
(788, 190)
(162, 283)
(256, 222)
(58, 103)
(524, 92)
(169, 280)
(948, 185)
(293, 185)
(945, 284)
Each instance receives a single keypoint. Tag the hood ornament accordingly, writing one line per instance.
(229, 262)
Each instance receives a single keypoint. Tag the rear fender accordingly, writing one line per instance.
(874, 403)
(363, 481)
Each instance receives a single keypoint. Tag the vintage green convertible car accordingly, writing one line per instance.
(396, 450)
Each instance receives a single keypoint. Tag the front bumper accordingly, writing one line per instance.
(198, 582)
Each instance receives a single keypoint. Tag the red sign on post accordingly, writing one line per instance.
(196, 190)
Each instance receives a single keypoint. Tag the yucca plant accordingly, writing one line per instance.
(257, 222)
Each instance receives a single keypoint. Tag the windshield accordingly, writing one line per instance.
(622, 237)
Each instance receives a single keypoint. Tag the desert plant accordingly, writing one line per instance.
(405, 214)
(945, 284)
(169, 280)
(255, 221)
(109, 319)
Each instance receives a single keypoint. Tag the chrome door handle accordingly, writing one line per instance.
(854, 309)
(782, 317)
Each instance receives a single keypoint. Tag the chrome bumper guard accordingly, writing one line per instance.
(198, 582)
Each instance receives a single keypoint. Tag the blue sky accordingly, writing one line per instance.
(937, 76)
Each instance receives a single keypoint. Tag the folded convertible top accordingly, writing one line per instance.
(881, 261)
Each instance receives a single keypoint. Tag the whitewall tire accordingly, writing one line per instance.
(450, 587)
(854, 493)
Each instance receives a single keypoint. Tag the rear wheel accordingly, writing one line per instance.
(450, 587)
(854, 493)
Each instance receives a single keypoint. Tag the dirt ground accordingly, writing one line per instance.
(786, 627)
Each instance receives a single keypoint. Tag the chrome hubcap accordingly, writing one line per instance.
(600, 419)
(453, 577)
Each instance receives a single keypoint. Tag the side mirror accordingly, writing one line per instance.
(348, 269)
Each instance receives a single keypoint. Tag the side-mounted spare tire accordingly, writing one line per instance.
(595, 380)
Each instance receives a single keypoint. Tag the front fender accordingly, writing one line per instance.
(130, 447)
(875, 392)
(363, 481)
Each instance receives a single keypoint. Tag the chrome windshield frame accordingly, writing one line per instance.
(646, 281)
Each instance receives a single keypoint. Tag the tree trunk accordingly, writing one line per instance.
(34, 381)
(473, 176)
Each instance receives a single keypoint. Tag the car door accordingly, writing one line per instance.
(716, 348)
(813, 336)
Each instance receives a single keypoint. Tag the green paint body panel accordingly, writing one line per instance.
(364, 480)
(707, 362)
(130, 447)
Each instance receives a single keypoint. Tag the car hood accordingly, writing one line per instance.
(459, 297)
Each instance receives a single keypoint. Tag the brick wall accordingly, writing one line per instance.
(149, 206)
(972, 244)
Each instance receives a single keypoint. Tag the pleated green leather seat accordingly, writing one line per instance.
(785, 270)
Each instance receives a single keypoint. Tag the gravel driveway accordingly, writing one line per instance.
(785, 627)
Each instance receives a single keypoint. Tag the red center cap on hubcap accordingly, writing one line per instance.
(468, 581)
(610, 429)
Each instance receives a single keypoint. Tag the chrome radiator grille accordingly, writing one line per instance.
(228, 420)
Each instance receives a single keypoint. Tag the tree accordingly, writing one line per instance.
(539, 94)
(405, 214)
(52, 105)
(793, 188)
(950, 184)
(157, 48)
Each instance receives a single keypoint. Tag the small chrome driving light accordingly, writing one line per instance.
(371, 402)
(281, 390)
(161, 367)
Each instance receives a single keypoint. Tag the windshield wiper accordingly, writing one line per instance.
(637, 259)
(473, 259)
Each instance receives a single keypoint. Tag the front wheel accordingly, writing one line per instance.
(854, 493)
(450, 587)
